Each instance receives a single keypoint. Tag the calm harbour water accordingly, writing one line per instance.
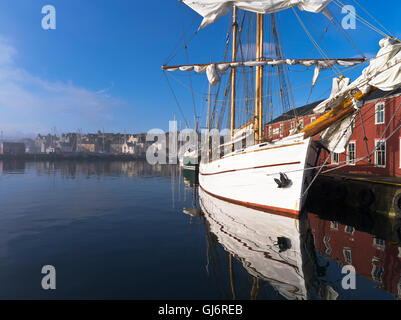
(129, 230)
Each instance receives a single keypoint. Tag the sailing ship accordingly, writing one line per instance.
(275, 175)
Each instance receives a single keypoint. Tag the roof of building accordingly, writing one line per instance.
(308, 109)
(15, 144)
(377, 94)
(300, 112)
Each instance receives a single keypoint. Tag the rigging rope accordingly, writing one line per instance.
(356, 16)
(176, 100)
(384, 28)
(187, 58)
(314, 42)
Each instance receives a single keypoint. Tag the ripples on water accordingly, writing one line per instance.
(129, 230)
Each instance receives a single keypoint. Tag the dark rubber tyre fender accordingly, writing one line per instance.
(397, 205)
(326, 189)
(397, 232)
(366, 198)
(340, 191)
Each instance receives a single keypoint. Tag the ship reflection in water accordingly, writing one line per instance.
(304, 258)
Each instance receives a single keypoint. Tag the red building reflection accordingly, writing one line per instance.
(372, 257)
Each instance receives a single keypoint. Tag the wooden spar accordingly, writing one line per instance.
(230, 262)
(244, 126)
(167, 68)
(255, 288)
(338, 113)
(257, 79)
(208, 118)
(233, 70)
(261, 40)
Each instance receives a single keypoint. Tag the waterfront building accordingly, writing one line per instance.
(12, 148)
(128, 148)
(381, 116)
(87, 146)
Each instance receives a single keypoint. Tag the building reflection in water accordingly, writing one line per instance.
(303, 258)
(90, 169)
(12, 166)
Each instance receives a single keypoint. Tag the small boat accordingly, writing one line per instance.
(191, 160)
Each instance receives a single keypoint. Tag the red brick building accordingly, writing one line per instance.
(379, 260)
(377, 112)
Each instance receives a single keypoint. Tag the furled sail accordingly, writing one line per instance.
(336, 137)
(215, 70)
(211, 10)
(383, 72)
(339, 84)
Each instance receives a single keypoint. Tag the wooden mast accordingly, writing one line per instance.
(208, 121)
(261, 34)
(259, 80)
(233, 70)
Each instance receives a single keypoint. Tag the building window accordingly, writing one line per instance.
(349, 229)
(400, 152)
(377, 273)
(326, 241)
(281, 130)
(334, 225)
(312, 119)
(379, 243)
(292, 125)
(270, 131)
(347, 255)
(399, 288)
(301, 124)
(335, 158)
(380, 154)
(379, 119)
(351, 153)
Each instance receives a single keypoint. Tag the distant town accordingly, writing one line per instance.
(75, 144)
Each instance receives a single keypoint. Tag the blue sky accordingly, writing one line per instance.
(101, 67)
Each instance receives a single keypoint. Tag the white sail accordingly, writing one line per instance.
(336, 137)
(339, 84)
(383, 72)
(211, 10)
(214, 71)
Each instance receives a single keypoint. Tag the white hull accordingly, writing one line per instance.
(247, 177)
(192, 168)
